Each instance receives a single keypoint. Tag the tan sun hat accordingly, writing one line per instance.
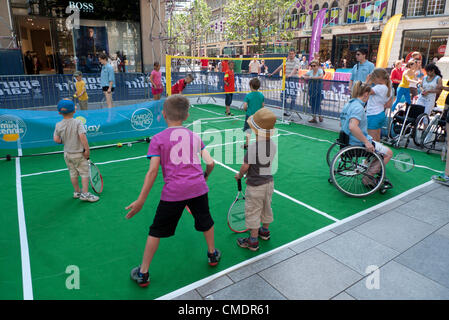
(262, 122)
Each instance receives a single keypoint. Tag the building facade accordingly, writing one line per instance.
(61, 36)
(349, 25)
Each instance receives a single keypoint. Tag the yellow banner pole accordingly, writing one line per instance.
(386, 41)
(168, 74)
(284, 60)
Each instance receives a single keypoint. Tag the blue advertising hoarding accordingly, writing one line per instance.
(33, 128)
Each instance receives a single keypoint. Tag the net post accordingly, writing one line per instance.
(284, 61)
(168, 74)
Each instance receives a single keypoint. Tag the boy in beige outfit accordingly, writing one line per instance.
(257, 166)
(72, 134)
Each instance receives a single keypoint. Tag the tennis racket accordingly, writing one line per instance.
(236, 213)
(404, 162)
(96, 180)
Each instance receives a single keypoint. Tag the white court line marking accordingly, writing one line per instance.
(323, 140)
(24, 249)
(288, 197)
(206, 280)
(134, 158)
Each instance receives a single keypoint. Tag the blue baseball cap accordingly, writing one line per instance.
(66, 106)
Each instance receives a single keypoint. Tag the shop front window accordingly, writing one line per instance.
(430, 43)
(112, 27)
(352, 12)
(316, 9)
(335, 11)
(347, 45)
(326, 16)
(418, 8)
(379, 10)
(294, 21)
(302, 19)
(435, 7)
(367, 11)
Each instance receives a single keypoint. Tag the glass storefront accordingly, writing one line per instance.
(346, 45)
(431, 43)
(50, 45)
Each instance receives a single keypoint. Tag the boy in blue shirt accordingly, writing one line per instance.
(253, 101)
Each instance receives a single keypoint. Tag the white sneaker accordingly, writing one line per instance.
(89, 197)
(76, 195)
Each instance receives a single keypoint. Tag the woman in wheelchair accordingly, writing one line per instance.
(354, 124)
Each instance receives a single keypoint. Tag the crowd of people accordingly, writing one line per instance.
(373, 90)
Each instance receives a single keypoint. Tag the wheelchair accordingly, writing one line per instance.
(435, 135)
(355, 171)
(406, 124)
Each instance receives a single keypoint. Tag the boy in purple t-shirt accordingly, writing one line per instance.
(176, 149)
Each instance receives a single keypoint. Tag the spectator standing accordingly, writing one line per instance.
(315, 85)
(396, 75)
(28, 63)
(443, 178)
(107, 78)
(238, 65)
(36, 65)
(380, 98)
(291, 70)
(156, 82)
(408, 77)
(204, 64)
(362, 69)
(419, 75)
(229, 87)
(303, 65)
(263, 67)
(254, 67)
(432, 85)
(81, 92)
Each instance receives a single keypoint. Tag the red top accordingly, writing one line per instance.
(229, 78)
(396, 75)
(224, 65)
(204, 62)
(178, 86)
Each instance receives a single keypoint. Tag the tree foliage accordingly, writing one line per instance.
(190, 26)
(258, 20)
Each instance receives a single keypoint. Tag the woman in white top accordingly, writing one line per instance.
(432, 85)
(380, 98)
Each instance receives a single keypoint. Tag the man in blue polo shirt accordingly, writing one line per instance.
(362, 69)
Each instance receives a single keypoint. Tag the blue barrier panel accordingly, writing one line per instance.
(11, 61)
(30, 91)
(19, 92)
(32, 128)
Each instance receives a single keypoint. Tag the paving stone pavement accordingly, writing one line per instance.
(397, 251)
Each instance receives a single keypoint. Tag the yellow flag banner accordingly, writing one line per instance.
(386, 41)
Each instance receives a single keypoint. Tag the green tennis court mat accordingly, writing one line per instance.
(97, 239)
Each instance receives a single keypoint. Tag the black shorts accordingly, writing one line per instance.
(168, 214)
(228, 99)
(106, 89)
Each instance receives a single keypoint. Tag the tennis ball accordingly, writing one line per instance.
(119, 144)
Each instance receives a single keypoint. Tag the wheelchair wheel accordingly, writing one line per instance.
(420, 125)
(431, 134)
(357, 172)
(331, 152)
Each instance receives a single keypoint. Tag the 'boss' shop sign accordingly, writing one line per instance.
(82, 6)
